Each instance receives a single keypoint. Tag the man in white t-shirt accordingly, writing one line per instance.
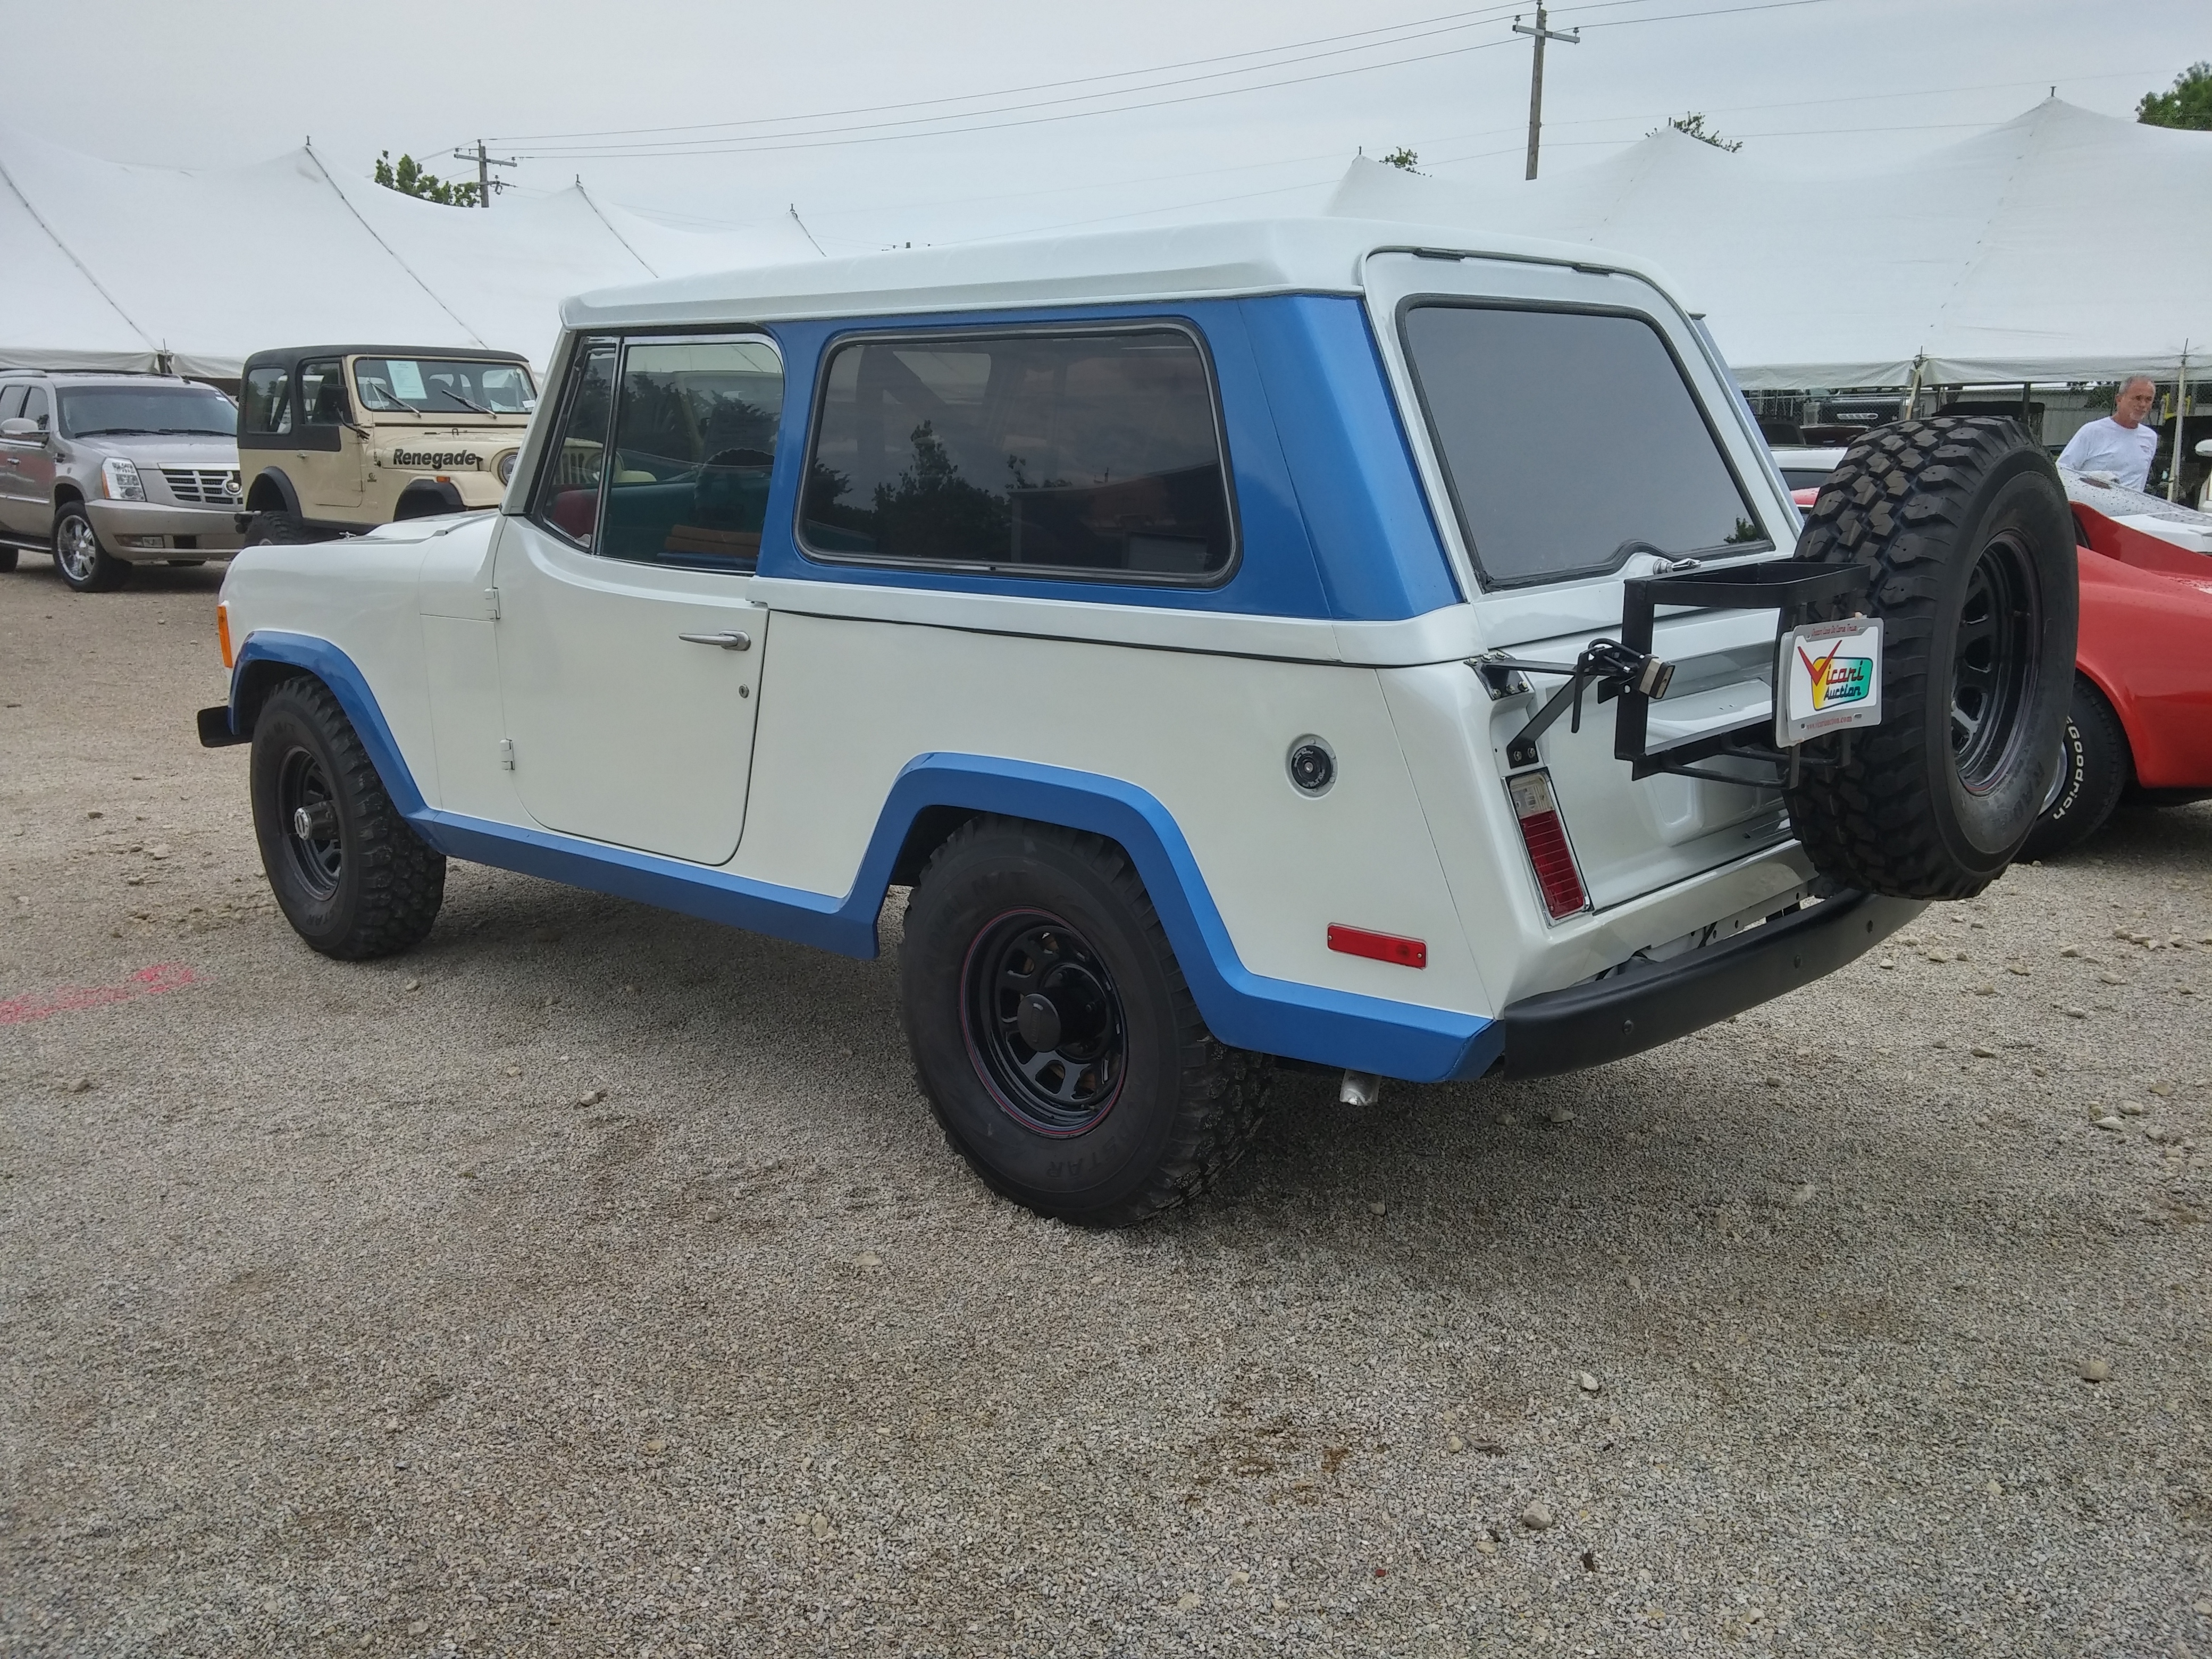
(2120, 444)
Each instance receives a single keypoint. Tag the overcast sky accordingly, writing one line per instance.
(890, 120)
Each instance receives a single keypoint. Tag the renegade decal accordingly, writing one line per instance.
(438, 460)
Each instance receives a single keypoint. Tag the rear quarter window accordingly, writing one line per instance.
(1570, 441)
(1085, 453)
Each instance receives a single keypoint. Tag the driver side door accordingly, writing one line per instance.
(629, 648)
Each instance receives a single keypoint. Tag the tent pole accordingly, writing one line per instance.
(2181, 420)
(1912, 392)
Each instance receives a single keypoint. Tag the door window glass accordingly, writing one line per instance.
(323, 395)
(695, 441)
(1570, 441)
(35, 407)
(568, 483)
(1083, 453)
(268, 402)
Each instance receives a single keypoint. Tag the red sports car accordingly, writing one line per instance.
(2141, 726)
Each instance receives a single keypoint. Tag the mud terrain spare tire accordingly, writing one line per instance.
(1964, 527)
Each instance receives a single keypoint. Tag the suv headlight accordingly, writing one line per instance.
(505, 466)
(119, 479)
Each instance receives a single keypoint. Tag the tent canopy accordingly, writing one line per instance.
(2061, 245)
(105, 265)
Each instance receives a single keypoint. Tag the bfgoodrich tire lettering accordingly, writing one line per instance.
(351, 875)
(1964, 528)
(1053, 1034)
(2094, 769)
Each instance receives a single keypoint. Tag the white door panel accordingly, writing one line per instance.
(622, 730)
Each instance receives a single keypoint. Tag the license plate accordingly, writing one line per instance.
(1828, 677)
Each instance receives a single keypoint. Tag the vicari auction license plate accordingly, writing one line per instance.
(1828, 677)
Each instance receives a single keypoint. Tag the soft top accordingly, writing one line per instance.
(1208, 261)
(290, 355)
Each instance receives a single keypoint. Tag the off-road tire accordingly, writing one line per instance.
(80, 558)
(2094, 767)
(278, 530)
(1187, 1104)
(384, 892)
(1958, 519)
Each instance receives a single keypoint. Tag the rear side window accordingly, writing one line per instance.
(695, 441)
(1570, 441)
(568, 483)
(1093, 454)
(267, 401)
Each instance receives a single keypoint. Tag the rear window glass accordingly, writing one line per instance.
(1569, 441)
(1088, 454)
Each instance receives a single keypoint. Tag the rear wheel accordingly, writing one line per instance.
(7, 560)
(1053, 1034)
(1965, 529)
(351, 876)
(79, 559)
(2094, 767)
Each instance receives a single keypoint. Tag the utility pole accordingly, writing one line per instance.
(1573, 38)
(486, 184)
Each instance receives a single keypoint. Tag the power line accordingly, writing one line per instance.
(806, 141)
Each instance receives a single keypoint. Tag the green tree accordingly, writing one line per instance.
(1693, 125)
(2189, 105)
(1402, 158)
(408, 180)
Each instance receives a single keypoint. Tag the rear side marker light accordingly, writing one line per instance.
(1382, 947)
(1545, 837)
(222, 635)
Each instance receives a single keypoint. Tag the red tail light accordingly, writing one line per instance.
(1382, 947)
(1546, 836)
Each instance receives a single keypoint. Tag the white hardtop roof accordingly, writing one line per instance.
(1318, 255)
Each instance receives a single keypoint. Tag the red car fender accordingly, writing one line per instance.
(2147, 644)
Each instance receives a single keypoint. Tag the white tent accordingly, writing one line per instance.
(109, 266)
(2061, 245)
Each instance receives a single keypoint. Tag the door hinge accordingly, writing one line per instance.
(507, 754)
(491, 603)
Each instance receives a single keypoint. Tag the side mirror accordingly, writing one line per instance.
(15, 426)
(2204, 447)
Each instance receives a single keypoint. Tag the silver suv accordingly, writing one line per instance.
(110, 471)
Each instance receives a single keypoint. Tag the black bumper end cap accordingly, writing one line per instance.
(1650, 1003)
(215, 728)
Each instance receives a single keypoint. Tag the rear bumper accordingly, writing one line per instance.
(141, 531)
(1650, 1003)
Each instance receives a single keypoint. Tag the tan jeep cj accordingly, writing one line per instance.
(336, 439)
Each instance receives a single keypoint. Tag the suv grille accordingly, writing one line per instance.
(202, 487)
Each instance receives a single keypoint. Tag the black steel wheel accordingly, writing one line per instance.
(1043, 1023)
(1053, 1034)
(350, 874)
(1993, 668)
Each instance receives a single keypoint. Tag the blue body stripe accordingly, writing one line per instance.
(1244, 1009)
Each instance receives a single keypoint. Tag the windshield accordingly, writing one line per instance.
(443, 386)
(1570, 441)
(115, 410)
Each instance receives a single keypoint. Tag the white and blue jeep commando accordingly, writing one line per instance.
(1366, 645)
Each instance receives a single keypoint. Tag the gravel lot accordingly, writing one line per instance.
(594, 1281)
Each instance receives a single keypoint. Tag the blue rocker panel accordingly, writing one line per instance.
(1242, 1008)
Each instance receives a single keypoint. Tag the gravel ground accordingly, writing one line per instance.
(593, 1281)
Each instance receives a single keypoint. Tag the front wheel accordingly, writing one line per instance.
(278, 529)
(351, 876)
(79, 559)
(1053, 1034)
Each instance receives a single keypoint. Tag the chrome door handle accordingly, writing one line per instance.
(727, 641)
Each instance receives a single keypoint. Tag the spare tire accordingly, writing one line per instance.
(1964, 525)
